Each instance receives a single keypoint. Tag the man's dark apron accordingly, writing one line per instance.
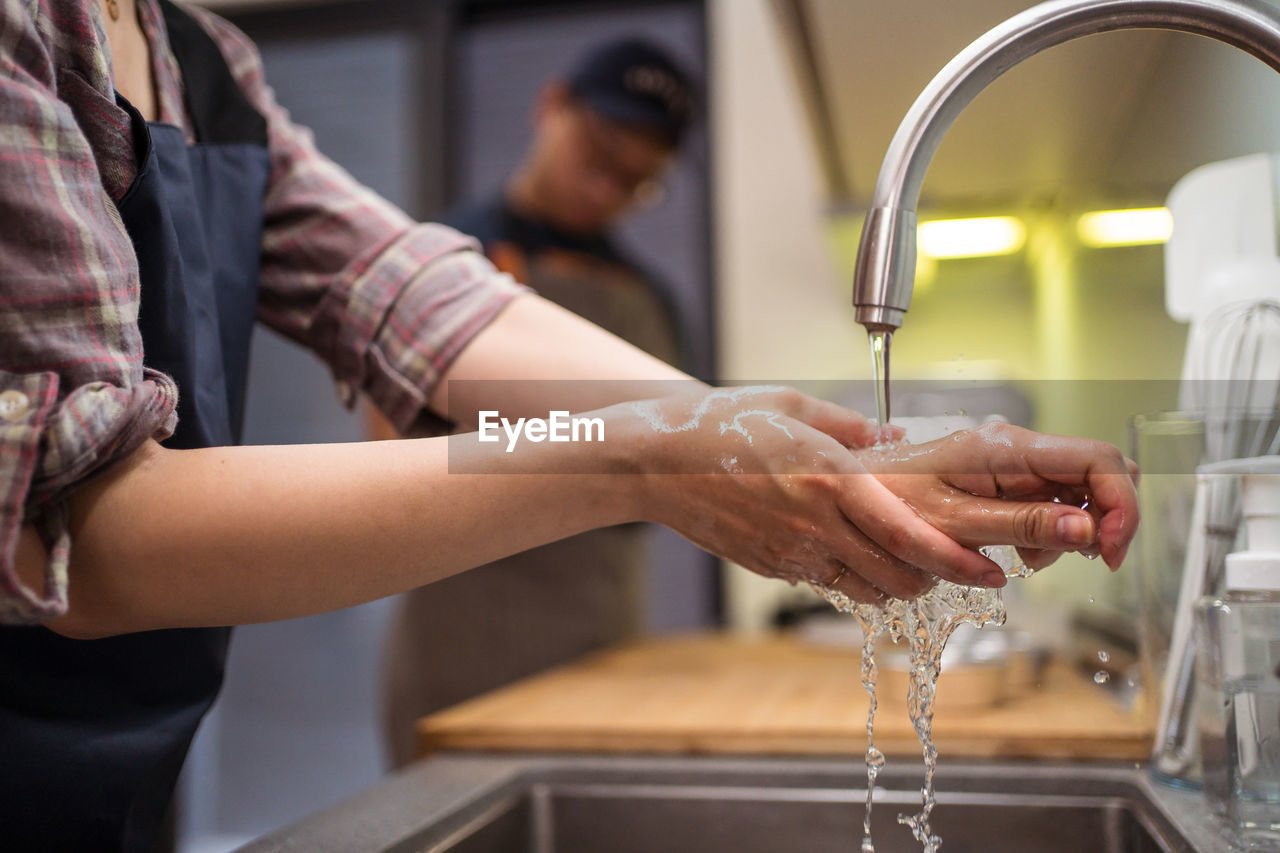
(93, 733)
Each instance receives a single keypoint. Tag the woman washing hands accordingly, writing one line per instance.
(141, 140)
(782, 483)
(815, 498)
(779, 482)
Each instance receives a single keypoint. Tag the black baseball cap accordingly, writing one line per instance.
(634, 81)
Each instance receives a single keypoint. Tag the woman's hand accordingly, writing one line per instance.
(765, 477)
(1001, 484)
(809, 499)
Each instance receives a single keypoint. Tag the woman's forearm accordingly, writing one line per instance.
(536, 356)
(233, 535)
(236, 535)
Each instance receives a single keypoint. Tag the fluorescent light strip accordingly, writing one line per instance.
(970, 238)
(1139, 226)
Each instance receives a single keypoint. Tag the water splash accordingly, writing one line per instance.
(1021, 570)
(925, 624)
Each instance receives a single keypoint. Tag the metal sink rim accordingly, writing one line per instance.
(439, 800)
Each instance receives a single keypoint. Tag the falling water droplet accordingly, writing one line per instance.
(1101, 677)
(1091, 599)
(1103, 656)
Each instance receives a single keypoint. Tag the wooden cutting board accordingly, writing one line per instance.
(714, 694)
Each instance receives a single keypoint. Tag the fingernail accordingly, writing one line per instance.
(1075, 530)
(994, 579)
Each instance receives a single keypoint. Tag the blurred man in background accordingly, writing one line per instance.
(603, 138)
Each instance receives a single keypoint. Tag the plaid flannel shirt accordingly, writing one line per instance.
(385, 301)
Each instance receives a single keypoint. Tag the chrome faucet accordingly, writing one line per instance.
(886, 265)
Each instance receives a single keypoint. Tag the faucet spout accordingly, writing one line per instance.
(885, 270)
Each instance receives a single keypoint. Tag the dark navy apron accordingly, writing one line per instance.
(93, 733)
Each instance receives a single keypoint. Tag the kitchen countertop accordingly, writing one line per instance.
(714, 694)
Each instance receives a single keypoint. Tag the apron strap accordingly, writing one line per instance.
(218, 107)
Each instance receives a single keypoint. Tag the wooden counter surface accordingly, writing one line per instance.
(715, 694)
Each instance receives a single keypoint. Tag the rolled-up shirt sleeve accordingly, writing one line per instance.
(74, 395)
(385, 301)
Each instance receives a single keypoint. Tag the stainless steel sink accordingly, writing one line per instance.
(572, 804)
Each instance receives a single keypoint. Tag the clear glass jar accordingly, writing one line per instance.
(1238, 710)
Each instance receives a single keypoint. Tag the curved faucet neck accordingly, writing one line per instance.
(886, 255)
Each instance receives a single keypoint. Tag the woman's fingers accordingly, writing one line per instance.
(870, 563)
(844, 425)
(1108, 476)
(847, 581)
(919, 517)
(1038, 525)
(890, 523)
(1014, 459)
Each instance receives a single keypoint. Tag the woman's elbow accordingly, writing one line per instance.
(88, 623)
(30, 563)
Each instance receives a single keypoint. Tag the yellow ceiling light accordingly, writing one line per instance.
(970, 238)
(1139, 226)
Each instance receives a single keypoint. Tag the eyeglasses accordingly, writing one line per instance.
(605, 151)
